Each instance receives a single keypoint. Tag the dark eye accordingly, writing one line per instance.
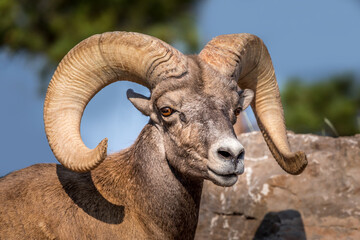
(237, 111)
(166, 111)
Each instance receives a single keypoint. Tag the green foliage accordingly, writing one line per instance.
(53, 27)
(307, 105)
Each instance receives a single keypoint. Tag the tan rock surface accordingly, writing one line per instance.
(266, 203)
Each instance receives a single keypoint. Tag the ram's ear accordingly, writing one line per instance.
(141, 102)
(246, 97)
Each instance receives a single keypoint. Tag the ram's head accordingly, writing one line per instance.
(193, 104)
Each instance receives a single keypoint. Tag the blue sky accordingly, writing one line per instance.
(305, 38)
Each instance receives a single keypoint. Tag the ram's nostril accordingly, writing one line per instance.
(224, 154)
(241, 155)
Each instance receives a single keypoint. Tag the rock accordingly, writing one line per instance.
(266, 203)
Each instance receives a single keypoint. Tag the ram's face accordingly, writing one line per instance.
(197, 128)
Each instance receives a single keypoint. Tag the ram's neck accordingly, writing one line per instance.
(140, 178)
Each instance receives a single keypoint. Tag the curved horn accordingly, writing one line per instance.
(245, 58)
(85, 70)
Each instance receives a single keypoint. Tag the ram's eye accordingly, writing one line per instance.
(237, 111)
(166, 111)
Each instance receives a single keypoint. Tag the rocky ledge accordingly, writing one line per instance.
(266, 203)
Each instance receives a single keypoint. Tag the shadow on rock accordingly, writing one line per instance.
(286, 224)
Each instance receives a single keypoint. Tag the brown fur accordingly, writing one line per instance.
(154, 203)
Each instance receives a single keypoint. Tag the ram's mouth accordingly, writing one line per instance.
(225, 180)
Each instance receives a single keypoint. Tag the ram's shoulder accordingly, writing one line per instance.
(37, 175)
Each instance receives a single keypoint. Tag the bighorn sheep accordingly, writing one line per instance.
(152, 189)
